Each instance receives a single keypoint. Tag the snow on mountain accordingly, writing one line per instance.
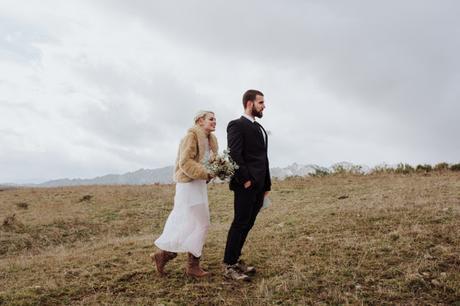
(295, 170)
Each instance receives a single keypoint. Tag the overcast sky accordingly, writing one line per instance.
(89, 88)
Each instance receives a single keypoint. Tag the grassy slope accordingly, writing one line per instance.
(393, 239)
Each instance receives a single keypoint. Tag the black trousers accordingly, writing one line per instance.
(247, 204)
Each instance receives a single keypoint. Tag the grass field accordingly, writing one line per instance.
(378, 239)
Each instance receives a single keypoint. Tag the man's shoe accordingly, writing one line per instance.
(244, 268)
(233, 272)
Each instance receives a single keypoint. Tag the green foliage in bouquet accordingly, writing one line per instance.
(222, 166)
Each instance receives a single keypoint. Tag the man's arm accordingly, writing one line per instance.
(235, 143)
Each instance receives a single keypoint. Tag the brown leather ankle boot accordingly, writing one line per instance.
(160, 259)
(193, 267)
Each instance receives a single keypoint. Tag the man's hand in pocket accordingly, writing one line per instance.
(247, 184)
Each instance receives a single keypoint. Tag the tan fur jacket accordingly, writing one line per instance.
(191, 153)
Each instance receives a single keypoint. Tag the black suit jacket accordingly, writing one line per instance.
(249, 150)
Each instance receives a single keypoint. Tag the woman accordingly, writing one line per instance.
(188, 222)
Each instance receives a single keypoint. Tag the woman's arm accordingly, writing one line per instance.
(187, 162)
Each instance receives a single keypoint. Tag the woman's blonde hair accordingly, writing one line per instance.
(201, 114)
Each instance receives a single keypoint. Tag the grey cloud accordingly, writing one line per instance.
(363, 81)
(168, 106)
(18, 39)
(35, 167)
(385, 55)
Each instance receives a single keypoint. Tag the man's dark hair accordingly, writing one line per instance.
(250, 95)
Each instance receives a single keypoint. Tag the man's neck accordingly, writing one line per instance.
(249, 115)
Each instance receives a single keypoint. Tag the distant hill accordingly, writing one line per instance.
(139, 177)
(295, 170)
(165, 175)
(8, 186)
(306, 170)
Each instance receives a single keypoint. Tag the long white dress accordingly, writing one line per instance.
(187, 224)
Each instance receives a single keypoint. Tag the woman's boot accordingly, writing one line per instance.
(161, 258)
(193, 267)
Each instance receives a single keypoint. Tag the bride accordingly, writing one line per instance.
(187, 225)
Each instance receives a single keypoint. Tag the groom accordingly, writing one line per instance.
(247, 141)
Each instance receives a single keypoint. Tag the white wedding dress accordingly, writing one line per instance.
(187, 224)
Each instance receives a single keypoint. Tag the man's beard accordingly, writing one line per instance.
(256, 113)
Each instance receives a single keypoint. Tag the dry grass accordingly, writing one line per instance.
(380, 239)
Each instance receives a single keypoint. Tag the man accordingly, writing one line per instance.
(247, 141)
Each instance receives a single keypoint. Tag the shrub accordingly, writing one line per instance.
(11, 223)
(441, 167)
(354, 169)
(338, 169)
(455, 167)
(85, 198)
(424, 168)
(320, 173)
(22, 205)
(382, 169)
(404, 169)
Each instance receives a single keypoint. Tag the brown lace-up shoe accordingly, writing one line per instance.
(193, 267)
(234, 273)
(160, 259)
(244, 268)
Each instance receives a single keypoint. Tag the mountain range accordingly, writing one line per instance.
(165, 175)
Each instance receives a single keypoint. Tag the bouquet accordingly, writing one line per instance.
(222, 166)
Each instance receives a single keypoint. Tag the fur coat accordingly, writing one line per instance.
(191, 153)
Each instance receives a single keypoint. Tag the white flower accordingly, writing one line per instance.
(222, 166)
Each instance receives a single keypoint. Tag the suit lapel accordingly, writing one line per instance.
(261, 128)
(252, 128)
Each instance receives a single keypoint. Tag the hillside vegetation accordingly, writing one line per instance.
(338, 239)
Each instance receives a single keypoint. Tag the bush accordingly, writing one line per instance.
(86, 198)
(441, 167)
(356, 169)
(424, 168)
(382, 169)
(455, 167)
(340, 169)
(22, 205)
(320, 173)
(404, 169)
